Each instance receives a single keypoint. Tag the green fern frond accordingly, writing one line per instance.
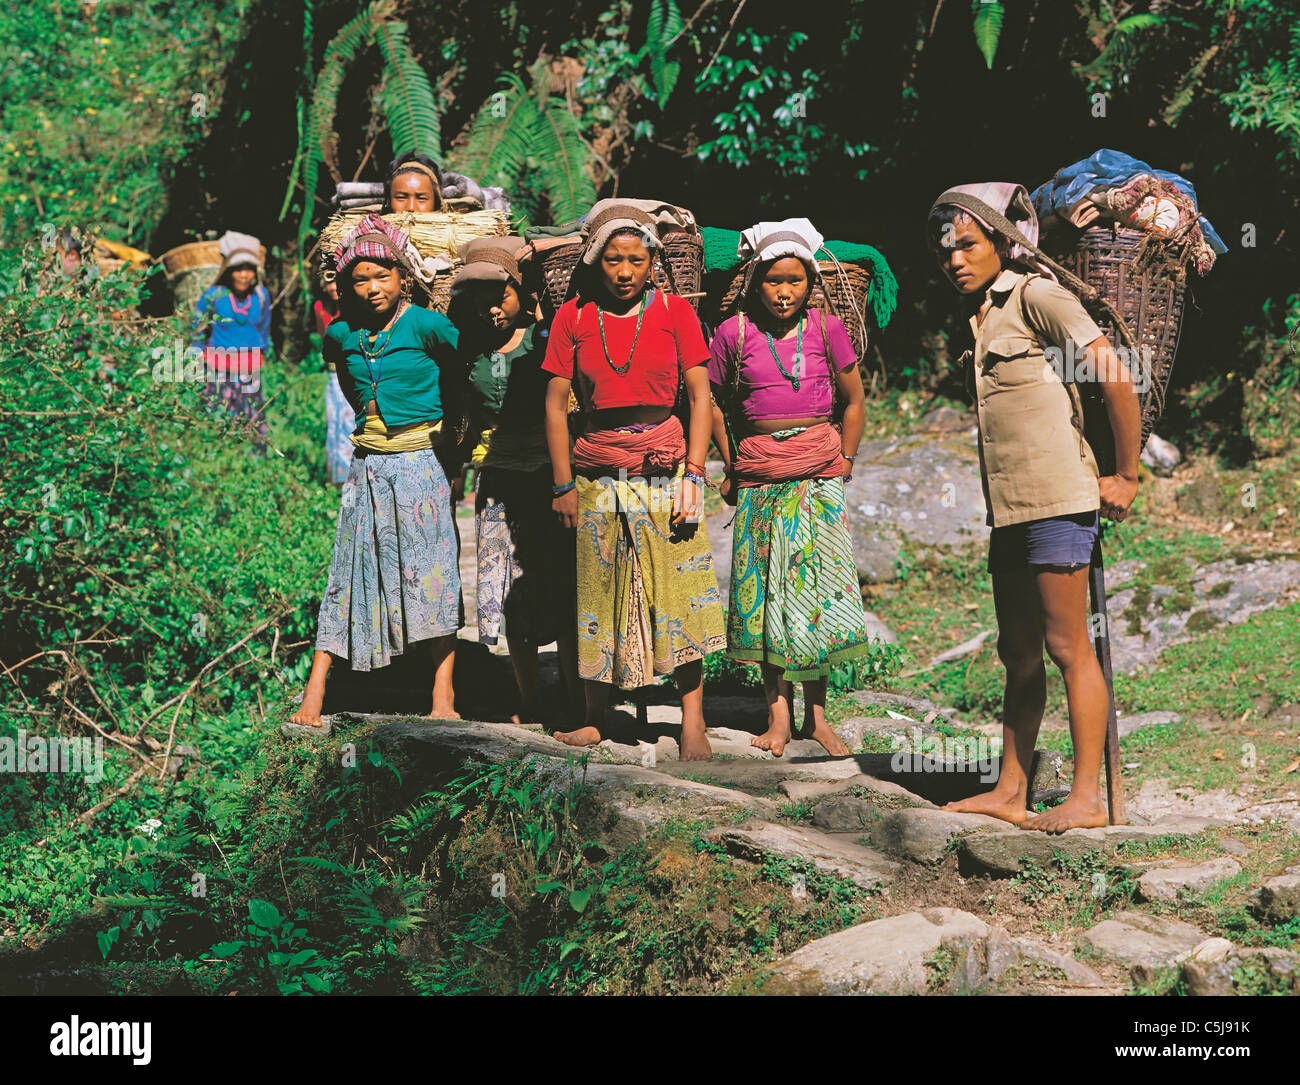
(407, 97)
(342, 49)
(496, 149)
(561, 158)
(988, 28)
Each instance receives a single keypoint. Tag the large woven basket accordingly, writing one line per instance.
(849, 286)
(678, 267)
(1144, 278)
(433, 233)
(198, 254)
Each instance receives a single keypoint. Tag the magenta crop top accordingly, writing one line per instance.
(764, 392)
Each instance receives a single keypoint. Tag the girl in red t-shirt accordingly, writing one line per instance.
(648, 599)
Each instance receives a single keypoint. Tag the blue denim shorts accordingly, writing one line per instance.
(1064, 541)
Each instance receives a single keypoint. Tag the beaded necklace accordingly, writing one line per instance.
(241, 312)
(375, 352)
(600, 323)
(793, 378)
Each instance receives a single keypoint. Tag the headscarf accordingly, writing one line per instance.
(606, 218)
(490, 259)
(373, 238)
(765, 241)
(239, 250)
(1013, 202)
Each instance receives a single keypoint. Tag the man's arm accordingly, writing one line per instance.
(1118, 490)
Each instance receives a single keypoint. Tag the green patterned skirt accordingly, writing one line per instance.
(795, 601)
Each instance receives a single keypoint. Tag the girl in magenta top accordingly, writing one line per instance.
(767, 392)
(794, 605)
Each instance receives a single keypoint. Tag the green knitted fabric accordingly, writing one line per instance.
(720, 255)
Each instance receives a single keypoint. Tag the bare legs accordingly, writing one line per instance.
(1046, 607)
(314, 695)
(444, 698)
(690, 684)
(779, 695)
(444, 657)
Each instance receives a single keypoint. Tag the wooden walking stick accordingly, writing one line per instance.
(1101, 641)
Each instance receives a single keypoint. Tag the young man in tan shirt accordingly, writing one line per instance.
(1041, 487)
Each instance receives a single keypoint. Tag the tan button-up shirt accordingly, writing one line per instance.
(1034, 461)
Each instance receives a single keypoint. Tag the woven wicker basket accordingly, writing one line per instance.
(678, 267)
(1145, 280)
(198, 254)
(848, 284)
(433, 233)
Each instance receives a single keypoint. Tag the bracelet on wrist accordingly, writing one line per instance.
(564, 488)
(693, 476)
(695, 467)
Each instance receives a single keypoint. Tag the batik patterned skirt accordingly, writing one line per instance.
(795, 601)
(525, 558)
(340, 421)
(648, 599)
(394, 579)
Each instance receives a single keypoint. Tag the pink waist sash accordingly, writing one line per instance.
(814, 453)
(654, 451)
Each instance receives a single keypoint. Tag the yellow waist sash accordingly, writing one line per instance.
(376, 437)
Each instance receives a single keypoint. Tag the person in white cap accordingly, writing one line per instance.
(232, 326)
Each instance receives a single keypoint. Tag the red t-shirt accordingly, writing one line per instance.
(671, 341)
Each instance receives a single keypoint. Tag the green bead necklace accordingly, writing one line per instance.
(793, 378)
(600, 323)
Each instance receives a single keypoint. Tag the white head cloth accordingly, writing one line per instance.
(772, 240)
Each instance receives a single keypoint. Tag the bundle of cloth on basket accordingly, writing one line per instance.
(1112, 186)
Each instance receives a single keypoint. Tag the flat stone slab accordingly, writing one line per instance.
(797, 790)
(844, 814)
(863, 866)
(1006, 963)
(1138, 939)
(1278, 899)
(298, 730)
(924, 835)
(1168, 882)
(1000, 855)
(886, 956)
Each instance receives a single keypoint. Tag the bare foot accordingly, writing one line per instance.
(583, 736)
(312, 699)
(1075, 813)
(830, 740)
(1009, 806)
(695, 744)
(443, 712)
(775, 737)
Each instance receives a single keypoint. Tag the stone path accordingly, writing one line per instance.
(851, 818)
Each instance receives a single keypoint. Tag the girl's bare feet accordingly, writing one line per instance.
(778, 730)
(1077, 812)
(1008, 804)
(583, 736)
(312, 699)
(695, 744)
(443, 710)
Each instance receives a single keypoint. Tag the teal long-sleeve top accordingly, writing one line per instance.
(405, 380)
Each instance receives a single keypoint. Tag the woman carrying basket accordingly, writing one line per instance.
(394, 580)
(647, 595)
(232, 326)
(796, 605)
(1040, 480)
(525, 584)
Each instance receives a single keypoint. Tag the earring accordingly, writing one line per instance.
(406, 289)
